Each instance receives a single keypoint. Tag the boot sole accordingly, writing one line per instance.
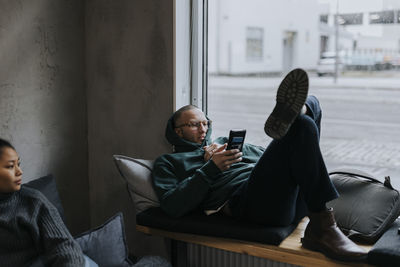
(290, 98)
(309, 245)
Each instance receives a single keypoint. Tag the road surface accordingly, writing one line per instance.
(360, 125)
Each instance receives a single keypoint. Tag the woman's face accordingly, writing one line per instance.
(10, 171)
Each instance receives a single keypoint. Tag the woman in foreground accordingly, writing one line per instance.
(31, 229)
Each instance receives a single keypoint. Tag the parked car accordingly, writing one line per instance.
(326, 64)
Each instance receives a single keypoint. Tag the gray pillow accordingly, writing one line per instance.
(106, 244)
(152, 261)
(47, 186)
(137, 174)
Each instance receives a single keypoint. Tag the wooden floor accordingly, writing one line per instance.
(289, 251)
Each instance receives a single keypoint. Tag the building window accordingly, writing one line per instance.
(398, 16)
(323, 18)
(350, 19)
(383, 17)
(254, 43)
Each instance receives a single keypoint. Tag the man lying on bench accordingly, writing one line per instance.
(276, 186)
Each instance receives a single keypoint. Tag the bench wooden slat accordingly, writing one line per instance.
(289, 251)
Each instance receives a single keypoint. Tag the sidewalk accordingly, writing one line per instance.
(389, 83)
(357, 82)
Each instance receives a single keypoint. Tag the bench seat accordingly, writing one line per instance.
(288, 251)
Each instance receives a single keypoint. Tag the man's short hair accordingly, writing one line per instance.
(179, 112)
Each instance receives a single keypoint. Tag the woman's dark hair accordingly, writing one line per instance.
(3, 144)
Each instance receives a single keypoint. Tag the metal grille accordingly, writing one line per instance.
(201, 256)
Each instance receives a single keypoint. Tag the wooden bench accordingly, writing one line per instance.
(289, 251)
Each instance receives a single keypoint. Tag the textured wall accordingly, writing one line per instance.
(42, 95)
(129, 49)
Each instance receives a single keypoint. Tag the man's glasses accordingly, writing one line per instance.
(196, 125)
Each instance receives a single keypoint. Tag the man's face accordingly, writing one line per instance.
(192, 126)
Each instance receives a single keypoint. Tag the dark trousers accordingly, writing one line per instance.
(289, 179)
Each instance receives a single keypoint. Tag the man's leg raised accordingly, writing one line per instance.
(290, 168)
(290, 174)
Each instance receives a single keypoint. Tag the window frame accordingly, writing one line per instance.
(199, 54)
(181, 54)
(190, 54)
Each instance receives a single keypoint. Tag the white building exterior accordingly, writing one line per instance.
(367, 42)
(260, 36)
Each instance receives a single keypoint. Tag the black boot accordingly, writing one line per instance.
(290, 99)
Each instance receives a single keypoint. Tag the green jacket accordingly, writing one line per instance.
(183, 181)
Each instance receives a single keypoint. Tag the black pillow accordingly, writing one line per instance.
(214, 225)
(47, 186)
(106, 244)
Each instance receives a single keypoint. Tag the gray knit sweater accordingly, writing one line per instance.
(31, 227)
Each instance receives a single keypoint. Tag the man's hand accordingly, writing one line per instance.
(210, 150)
(225, 158)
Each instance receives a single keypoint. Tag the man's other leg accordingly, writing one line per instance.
(314, 111)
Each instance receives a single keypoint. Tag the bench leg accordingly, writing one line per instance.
(178, 253)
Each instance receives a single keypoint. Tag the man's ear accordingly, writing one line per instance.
(179, 132)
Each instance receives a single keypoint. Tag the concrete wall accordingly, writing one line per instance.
(42, 96)
(129, 60)
(62, 84)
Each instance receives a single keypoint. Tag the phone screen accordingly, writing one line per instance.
(236, 139)
(237, 142)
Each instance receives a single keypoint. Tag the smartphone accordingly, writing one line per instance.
(236, 139)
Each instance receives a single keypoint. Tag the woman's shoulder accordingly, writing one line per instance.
(30, 202)
(33, 195)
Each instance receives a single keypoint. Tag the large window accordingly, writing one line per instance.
(350, 19)
(252, 44)
(398, 16)
(382, 17)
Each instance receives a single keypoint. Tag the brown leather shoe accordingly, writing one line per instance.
(323, 235)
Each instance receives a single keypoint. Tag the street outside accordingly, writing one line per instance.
(360, 123)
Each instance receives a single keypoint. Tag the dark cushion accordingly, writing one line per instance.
(38, 262)
(386, 251)
(106, 244)
(366, 207)
(47, 186)
(152, 261)
(214, 225)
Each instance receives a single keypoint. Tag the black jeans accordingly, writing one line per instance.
(289, 179)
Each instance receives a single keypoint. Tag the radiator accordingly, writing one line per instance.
(201, 256)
